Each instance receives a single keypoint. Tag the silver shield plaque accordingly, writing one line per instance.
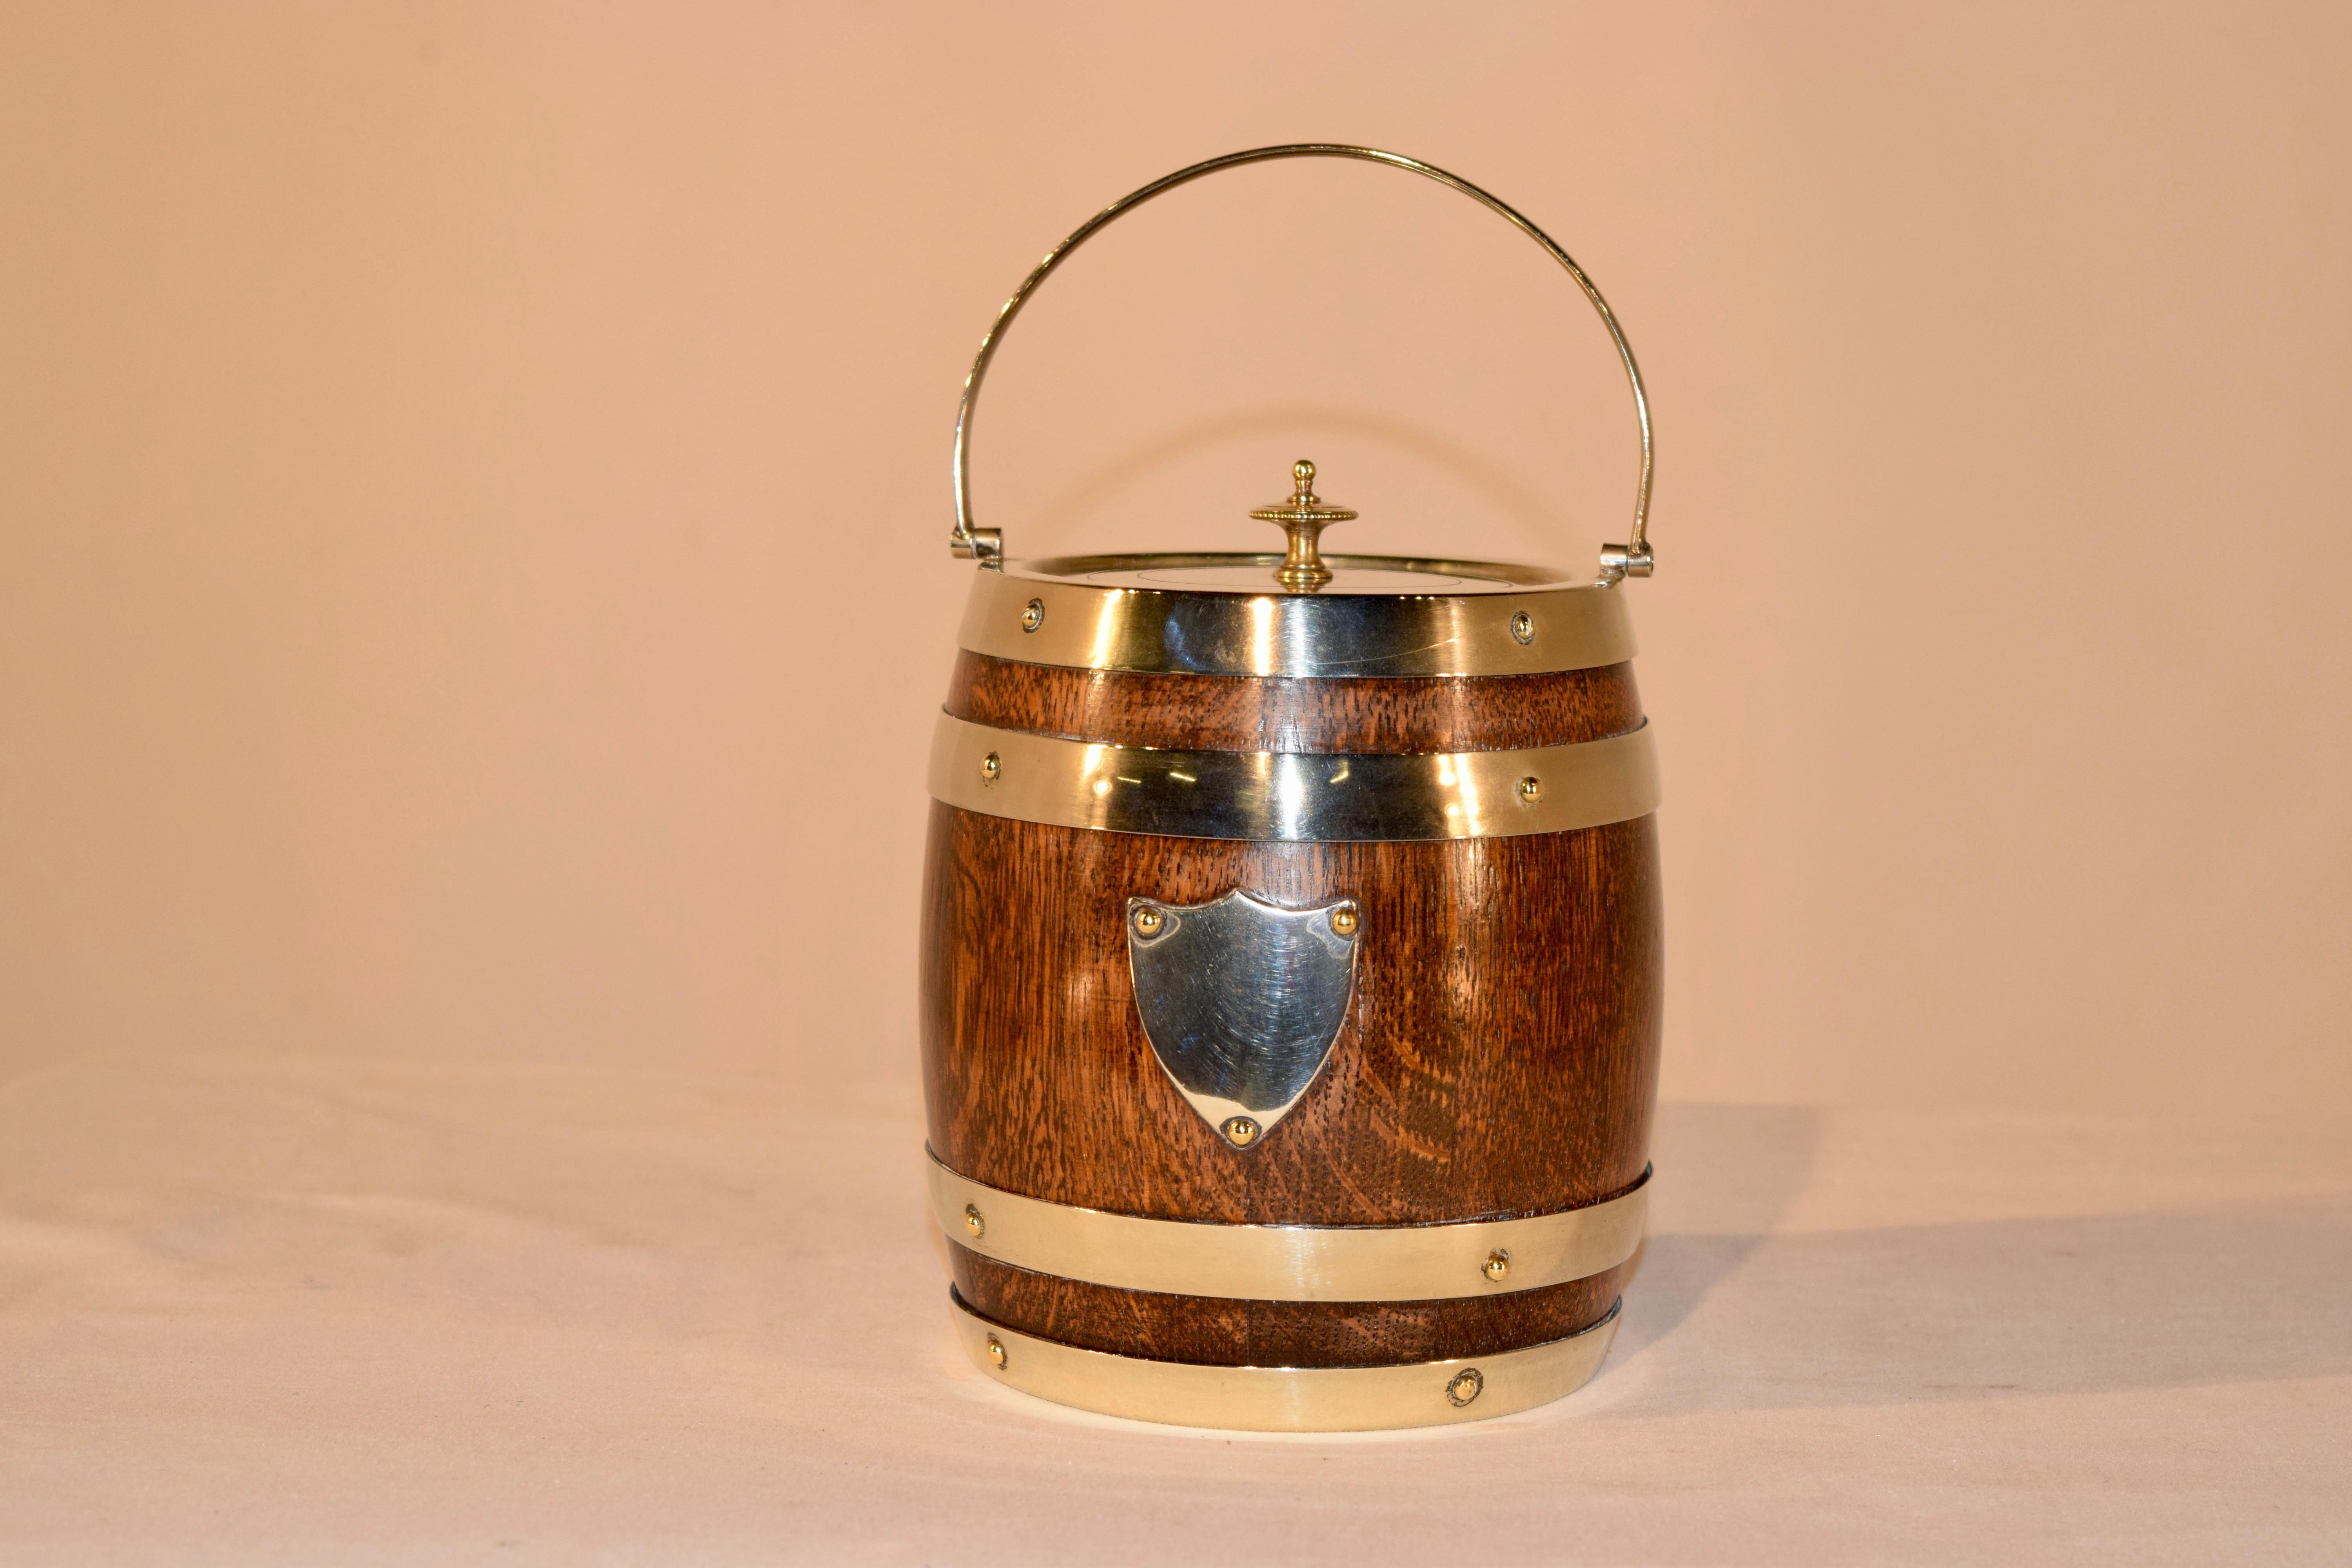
(1242, 1000)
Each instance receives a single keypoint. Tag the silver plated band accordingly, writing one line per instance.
(1032, 613)
(1285, 1398)
(1289, 1262)
(1293, 797)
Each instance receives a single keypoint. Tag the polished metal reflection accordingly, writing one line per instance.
(1460, 623)
(1293, 1262)
(1285, 1398)
(1303, 516)
(986, 545)
(1293, 797)
(1241, 1000)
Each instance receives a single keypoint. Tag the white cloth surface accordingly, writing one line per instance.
(328, 1311)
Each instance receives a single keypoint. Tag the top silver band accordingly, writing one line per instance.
(1032, 613)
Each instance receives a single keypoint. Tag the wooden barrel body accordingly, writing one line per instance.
(1494, 1063)
(1291, 958)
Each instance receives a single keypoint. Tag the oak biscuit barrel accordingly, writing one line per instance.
(1291, 967)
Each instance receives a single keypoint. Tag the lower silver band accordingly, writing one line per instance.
(1286, 1398)
(1289, 1262)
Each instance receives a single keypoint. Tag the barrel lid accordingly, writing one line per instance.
(1302, 568)
(1297, 613)
(1253, 575)
(1233, 613)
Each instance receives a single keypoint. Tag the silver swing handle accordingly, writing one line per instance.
(986, 545)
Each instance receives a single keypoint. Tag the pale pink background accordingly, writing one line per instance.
(475, 478)
(473, 598)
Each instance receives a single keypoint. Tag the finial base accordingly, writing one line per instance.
(1303, 519)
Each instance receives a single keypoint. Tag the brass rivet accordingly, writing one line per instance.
(996, 1354)
(1241, 1131)
(1033, 616)
(1148, 922)
(1523, 627)
(971, 1220)
(1531, 789)
(1343, 919)
(1499, 1263)
(1467, 1385)
(990, 766)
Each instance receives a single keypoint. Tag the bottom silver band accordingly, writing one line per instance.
(1286, 1398)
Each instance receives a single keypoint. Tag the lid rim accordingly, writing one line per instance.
(1488, 577)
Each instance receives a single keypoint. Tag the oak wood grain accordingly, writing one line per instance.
(1271, 713)
(1499, 1057)
(1218, 1332)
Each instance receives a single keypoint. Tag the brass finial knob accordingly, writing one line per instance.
(1303, 518)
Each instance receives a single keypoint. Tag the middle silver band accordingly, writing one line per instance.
(1289, 1262)
(1293, 797)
